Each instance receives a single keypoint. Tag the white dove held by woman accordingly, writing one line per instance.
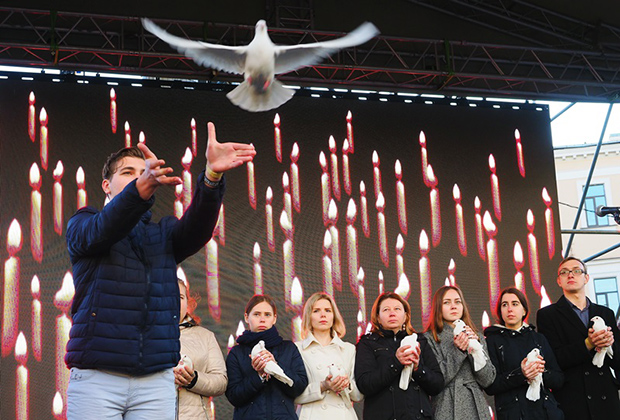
(598, 324)
(474, 347)
(407, 372)
(271, 368)
(533, 391)
(335, 371)
(260, 61)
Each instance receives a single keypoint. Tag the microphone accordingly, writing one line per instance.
(602, 211)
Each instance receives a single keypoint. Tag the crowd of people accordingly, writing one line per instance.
(137, 350)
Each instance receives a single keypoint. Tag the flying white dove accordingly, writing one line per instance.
(271, 368)
(599, 358)
(474, 347)
(533, 391)
(405, 375)
(260, 61)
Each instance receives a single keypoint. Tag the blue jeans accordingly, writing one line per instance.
(96, 394)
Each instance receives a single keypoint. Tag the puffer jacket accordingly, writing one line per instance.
(377, 373)
(271, 400)
(507, 348)
(126, 304)
(201, 346)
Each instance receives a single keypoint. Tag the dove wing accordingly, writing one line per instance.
(219, 57)
(293, 57)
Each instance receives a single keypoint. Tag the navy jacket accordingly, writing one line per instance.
(377, 373)
(126, 305)
(589, 392)
(270, 400)
(507, 348)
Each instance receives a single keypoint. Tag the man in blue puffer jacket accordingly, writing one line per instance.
(124, 340)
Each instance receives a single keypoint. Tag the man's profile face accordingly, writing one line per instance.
(570, 281)
(127, 169)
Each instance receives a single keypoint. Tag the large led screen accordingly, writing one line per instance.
(346, 195)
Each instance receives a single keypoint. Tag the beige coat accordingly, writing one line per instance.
(327, 405)
(201, 346)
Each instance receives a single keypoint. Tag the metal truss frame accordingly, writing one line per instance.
(571, 72)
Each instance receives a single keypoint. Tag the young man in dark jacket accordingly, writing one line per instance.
(124, 340)
(589, 392)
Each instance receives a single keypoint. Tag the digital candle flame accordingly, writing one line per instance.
(43, 116)
(545, 301)
(14, 238)
(57, 404)
(269, 195)
(546, 197)
(477, 204)
(517, 135)
(332, 144)
(351, 212)
(285, 181)
(240, 329)
(398, 170)
(423, 242)
(21, 349)
(181, 275)
(63, 298)
(375, 158)
(323, 161)
(187, 158)
(362, 189)
(141, 137)
(485, 320)
(276, 120)
(530, 220)
(332, 213)
(327, 241)
(452, 266)
(422, 139)
(35, 287)
(380, 203)
(297, 293)
(400, 244)
(231, 341)
(345, 146)
(488, 224)
(58, 171)
(403, 287)
(35, 176)
(492, 163)
(285, 222)
(256, 251)
(456, 193)
(518, 255)
(112, 94)
(295, 153)
(432, 180)
(80, 177)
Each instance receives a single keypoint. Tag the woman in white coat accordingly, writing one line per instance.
(329, 363)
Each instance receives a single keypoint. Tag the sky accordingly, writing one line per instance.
(582, 123)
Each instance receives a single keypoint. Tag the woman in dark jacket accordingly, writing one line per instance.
(508, 344)
(254, 393)
(380, 360)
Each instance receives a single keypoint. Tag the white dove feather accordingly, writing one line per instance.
(598, 360)
(474, 347)
(407, 372)
(533, 390)
(271, 368)
(260, 61)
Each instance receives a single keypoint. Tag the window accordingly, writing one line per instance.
(595, 198)
(606, 290)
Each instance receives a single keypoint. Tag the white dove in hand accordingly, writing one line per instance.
(598, 324)
(336, 370)
(533, 391)
(271, 368)
(260, 61)
(473, 346)
(405, 375)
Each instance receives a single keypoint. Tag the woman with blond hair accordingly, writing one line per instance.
(381, 360)
(462, 396)
(329, 363)
(207, 377)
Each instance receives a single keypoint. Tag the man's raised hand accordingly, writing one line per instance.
(224, 156)
(154, 174)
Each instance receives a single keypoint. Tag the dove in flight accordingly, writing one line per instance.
(473, 346)
(260, 61)
(599, 358)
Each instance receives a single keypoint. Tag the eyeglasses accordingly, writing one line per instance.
(576, 272)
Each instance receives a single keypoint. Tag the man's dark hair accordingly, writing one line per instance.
(111, 164)
(585, 269)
